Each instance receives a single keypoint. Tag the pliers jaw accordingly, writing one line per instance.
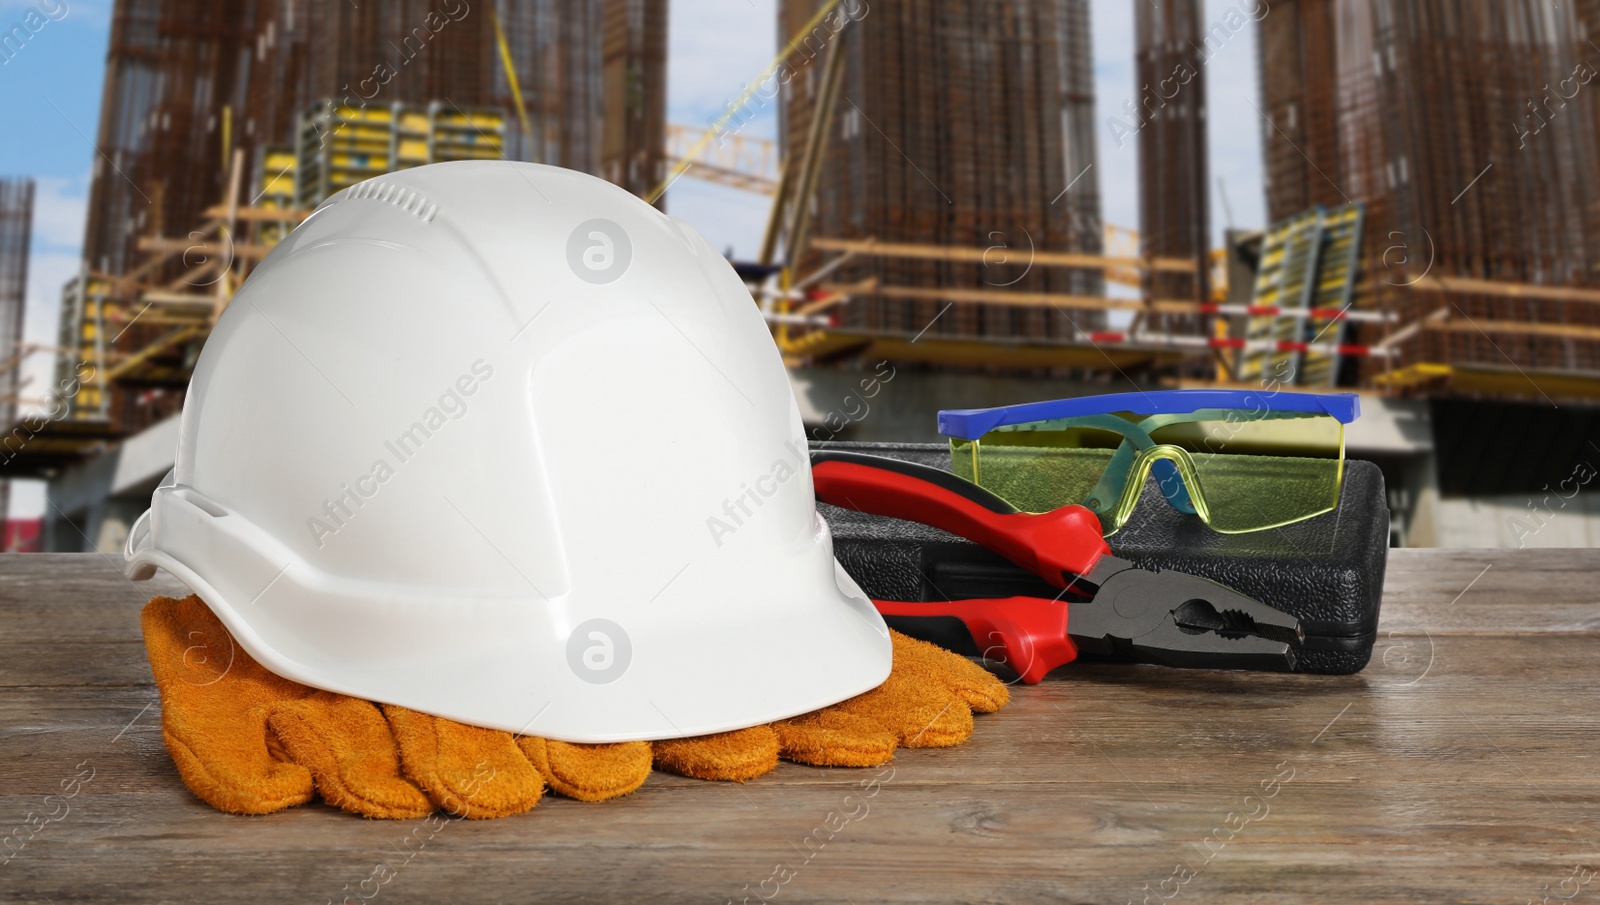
(1106, 605)
(1177, 619)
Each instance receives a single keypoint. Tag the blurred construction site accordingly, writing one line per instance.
(933, 207)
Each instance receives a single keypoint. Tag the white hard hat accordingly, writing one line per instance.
(502, 443)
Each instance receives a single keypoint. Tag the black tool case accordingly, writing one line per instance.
(1326, 571)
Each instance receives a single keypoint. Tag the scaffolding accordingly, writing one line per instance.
(189, 81)
(1464, 129)
(1304, 288)
(338, 145)
(211, 156)
(739, 161)
(962, 125)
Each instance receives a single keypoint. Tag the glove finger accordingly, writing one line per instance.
(346, 744)
(467, 770)
(589, 772)
(930, 663)
(920, 714)
(738, 756)
(214, 699)
(835, 738)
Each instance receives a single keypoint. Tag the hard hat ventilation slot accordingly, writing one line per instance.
(409, 200)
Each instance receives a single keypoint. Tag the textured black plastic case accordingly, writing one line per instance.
(1326, 571)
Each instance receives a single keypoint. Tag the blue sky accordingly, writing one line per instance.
(50, 99)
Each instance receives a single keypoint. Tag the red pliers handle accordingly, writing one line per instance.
(1058, 546)
(1162, 617)
(1028, 634)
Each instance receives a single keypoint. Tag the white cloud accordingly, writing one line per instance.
(59, 208)
(59, 205)
(27, 499)
(47, 273)
(707, 68)
(717, 47)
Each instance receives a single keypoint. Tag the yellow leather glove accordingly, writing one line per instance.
(249, 742)
(927, 702)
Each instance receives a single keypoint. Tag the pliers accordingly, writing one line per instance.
(1106, 606)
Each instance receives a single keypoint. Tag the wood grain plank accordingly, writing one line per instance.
(81, 596)
(1101, 722)
(1003, 842)
(1460, 767)
(74, 663)
(1450, 591)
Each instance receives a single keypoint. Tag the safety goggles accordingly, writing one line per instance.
(1239, 460)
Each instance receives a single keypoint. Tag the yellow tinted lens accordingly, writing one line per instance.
(1038, 470)
(1257, 473)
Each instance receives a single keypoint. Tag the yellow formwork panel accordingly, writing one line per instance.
(471, 119)
(1413, 375)
(343, 145)
(354, 114)
(412, 149)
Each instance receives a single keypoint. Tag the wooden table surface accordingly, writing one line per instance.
(1459, 767)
